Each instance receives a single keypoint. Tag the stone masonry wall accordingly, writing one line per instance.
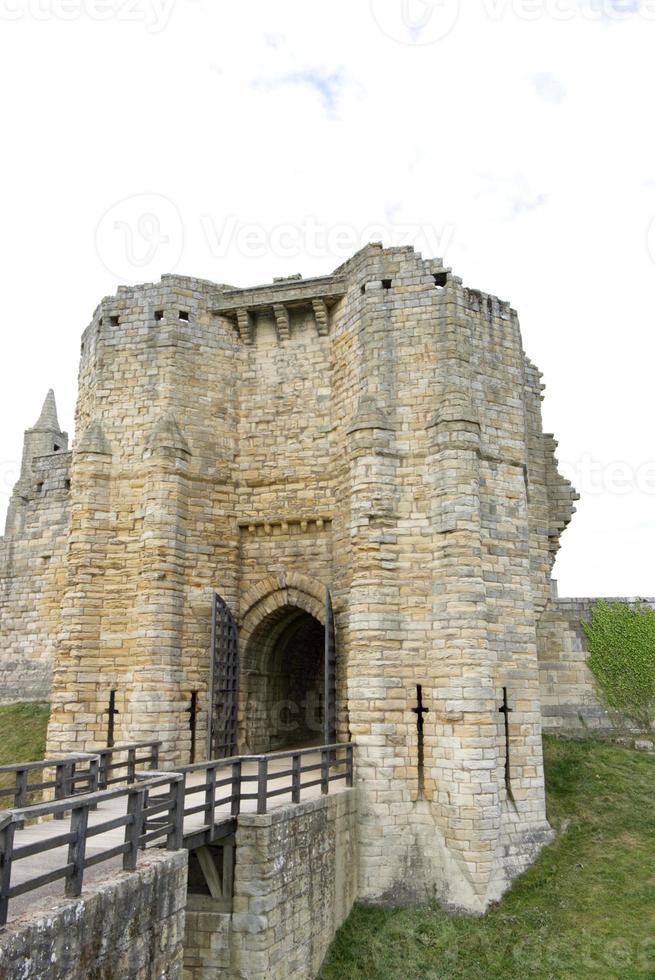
(569, 703)
(131, 925)
(295, 884)
(32, 576)
(376, 432)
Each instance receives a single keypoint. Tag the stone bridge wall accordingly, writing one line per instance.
(131, 925)
(295, 884)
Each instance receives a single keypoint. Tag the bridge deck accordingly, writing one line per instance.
(39, 864)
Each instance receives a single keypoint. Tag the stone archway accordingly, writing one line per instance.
(282, 673)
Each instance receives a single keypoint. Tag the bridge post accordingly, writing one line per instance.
(262, 784)
(295, 777)
(63, 781)
(236, 788)
(131, 765)
(350, 768)
(175, 838)
(7, 828)
(325, 771)
(77, 851)
(136, 804)
(210, 797)
(20, 797)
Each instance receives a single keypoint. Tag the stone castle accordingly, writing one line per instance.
(322, 509)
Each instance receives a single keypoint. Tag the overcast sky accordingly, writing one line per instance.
(241, 141)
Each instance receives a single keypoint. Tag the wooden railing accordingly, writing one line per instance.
(125, 770)
(80, 772)
(151, 815)
(142, 811)
(227, 775)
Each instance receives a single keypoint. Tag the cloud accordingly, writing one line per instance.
(613, 11)
(329, 86)
(275, 41)
(508, 198)
(549, 88)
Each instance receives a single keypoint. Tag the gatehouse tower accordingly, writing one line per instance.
(312, 510)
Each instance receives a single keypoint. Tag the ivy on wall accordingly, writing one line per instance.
(621, 639)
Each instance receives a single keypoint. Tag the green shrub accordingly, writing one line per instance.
(621, 640)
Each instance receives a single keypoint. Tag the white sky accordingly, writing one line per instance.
(240, 141)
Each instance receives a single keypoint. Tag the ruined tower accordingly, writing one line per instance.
(357, 458)
(32, 556)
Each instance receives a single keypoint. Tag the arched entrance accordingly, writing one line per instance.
(284, 679)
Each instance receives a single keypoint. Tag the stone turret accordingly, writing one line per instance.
(45, 437)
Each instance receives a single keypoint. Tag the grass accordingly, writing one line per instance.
(22, 735)
(586, 908)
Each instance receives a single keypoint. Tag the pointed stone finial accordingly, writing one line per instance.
(48, 418)
(93, 440)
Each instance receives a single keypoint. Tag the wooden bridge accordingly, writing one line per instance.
(117, 803)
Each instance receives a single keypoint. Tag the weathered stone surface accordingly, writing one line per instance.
(295, 884)
(377, 432)
(131, 925)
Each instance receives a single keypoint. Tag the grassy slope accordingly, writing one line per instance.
(22, 733)
(585, 909)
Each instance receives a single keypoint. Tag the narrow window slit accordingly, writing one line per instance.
(505, 710)
(193, 717)
(159, 315)
(386, 283)
(184, 315)
(419, 711)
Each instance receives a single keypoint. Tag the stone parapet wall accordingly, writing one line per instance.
(295, 884)
(131, 925)
(569, 702)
